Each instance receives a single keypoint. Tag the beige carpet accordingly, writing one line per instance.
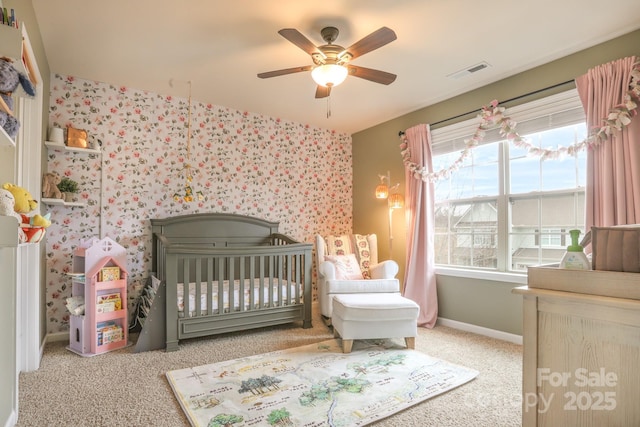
(125, 388)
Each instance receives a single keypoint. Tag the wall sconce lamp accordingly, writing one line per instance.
(382, 190)
(394, 201)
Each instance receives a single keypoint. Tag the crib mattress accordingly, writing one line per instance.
(245, 300)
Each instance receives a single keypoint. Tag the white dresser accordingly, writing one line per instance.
(581, 337)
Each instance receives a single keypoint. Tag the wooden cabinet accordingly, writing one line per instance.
(581, 338)
(104, 325)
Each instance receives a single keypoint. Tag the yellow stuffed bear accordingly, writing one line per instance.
(32, 227)
(24, 201)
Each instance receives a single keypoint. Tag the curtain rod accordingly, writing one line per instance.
(501, 102)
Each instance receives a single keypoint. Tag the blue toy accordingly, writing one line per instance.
(10, 78)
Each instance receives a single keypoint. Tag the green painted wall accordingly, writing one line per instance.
(375, 151)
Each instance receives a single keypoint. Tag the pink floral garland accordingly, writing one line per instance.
(493, 115)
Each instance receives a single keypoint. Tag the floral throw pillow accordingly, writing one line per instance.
(355, 244)
(339, 245)
(361, 246)
(347, 267)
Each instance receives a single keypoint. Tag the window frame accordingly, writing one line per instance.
(567, 109)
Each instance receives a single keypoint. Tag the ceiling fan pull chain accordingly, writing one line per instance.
(328, 107)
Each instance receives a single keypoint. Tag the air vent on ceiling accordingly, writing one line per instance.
(469, 70)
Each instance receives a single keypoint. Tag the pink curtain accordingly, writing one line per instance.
(420, 274)
(613, 166)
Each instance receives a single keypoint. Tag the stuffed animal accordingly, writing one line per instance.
(37, 220)
(10, 78)
(32, 228)
(24, 201)
(7, 203)
(50, 188)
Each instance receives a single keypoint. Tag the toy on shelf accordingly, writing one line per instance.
(50, 190)
(7, 203)
(25, 202)
(32, 228)
(10, 78)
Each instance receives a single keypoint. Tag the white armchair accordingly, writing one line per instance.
(337, 275)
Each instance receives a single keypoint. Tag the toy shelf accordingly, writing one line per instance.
(60, 202)
(101, 286)
(13, 45)
(8, 232)
(93, 332)
(61, 147)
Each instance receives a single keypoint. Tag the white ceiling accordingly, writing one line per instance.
(220, 46)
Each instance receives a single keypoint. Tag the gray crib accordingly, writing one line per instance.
(228, 272)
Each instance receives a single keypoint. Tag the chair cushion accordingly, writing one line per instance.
(351, 244)
(346, 266)
(374, 307)
(339, 245)
(362, 286)
(361, 246)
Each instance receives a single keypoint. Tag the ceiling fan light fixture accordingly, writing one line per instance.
(329, 75)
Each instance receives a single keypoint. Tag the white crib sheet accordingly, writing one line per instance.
(236, 300)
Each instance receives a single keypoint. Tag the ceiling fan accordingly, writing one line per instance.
(331, 62)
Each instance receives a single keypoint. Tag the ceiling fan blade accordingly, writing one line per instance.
(322, 91)
(297, 38)
(377, 76)
(373, 41)
(285, 71)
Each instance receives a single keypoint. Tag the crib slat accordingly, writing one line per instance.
(186, 287)
(232, 284)
(273, 261)
(209, 286)
(261, 283)
(252, 276)
(241, 283)
(291, 259)
(299, 277)
(198, 285)
(279, 272)
(220, 269)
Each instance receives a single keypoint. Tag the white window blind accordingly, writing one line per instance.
(554, 111)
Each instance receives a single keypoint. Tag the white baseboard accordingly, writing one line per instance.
(492, 333)
(57, 336)
(12, 420)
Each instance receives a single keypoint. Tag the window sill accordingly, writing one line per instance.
(495, 276)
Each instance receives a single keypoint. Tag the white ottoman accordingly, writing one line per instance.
(367, 316)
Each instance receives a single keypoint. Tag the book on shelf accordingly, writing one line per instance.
(8, 17)
(109, 332)
(77, 277)
(108, 274)
(108, 302)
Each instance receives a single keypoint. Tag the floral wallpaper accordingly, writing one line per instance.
(244, 163)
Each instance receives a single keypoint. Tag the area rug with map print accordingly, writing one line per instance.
(314, 385)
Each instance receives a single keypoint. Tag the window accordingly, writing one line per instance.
(503, 209)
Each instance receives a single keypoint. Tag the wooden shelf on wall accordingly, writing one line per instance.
(61, 202)
(62, 147)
